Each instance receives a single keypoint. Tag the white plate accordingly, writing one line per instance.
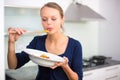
(46, 62)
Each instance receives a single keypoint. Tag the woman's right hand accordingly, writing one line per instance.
(15, 33)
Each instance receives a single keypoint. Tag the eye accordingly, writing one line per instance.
(53, 19)
(44, 19)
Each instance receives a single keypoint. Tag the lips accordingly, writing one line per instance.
(50, 29)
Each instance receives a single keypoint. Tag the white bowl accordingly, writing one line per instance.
(46, 62)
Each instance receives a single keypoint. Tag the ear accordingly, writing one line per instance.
(63, 20)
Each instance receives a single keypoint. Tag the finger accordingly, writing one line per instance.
(17, 30)
(22, 31)
(11, 30)
(53, 67)
(66, 59)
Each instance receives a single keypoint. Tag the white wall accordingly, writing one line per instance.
(1, 41)
(87, 34)
(109, 30)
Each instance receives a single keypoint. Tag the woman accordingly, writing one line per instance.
(54, 42)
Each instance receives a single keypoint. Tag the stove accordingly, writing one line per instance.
(94, 61)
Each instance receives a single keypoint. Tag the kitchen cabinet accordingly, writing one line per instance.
(24, 3)
(24, 18)
(34, 3)
(92, 75)
(119, 71)
(112, 73)
(107, 73)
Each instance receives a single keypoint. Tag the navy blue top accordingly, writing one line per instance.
(73, 53)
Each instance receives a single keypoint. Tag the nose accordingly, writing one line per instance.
(49, 21)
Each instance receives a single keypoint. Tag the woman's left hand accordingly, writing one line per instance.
(62, 64)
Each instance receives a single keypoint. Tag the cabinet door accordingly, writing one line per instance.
(113, 77)
(24, 3)
(119, 72)
(107, 73)
(35, 3)
(112, 70)
(93, 75)
(89, 75)
(112, 73)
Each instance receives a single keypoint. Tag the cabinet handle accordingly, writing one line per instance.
(112, 68)
(111, 78)
(88, 74)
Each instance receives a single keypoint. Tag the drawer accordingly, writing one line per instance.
(93, 75)
(111, 70)
(113, 77)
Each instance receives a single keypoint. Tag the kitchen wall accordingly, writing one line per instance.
(85, 32)
(109, 30)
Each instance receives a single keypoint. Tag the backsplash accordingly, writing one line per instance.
(22, 17)
(85, 32)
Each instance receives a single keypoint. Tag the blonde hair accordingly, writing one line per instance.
(55, 6)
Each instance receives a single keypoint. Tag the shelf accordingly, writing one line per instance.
(21, 11)
(22, 6)
(23, 3)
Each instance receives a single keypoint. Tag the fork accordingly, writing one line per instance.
(37, 32)
(32, 32)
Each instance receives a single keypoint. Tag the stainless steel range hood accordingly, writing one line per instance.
(79, 12)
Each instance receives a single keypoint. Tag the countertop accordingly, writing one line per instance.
(108, 63)
(29, 73)
(23, 73)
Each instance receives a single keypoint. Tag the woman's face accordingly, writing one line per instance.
(51, 19)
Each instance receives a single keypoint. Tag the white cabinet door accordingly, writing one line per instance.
(35, 3)
(107, 73)
(89, 75)
(93, 75)
(119, 72)
(111, 73)
(112, 77)
(24, 3)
